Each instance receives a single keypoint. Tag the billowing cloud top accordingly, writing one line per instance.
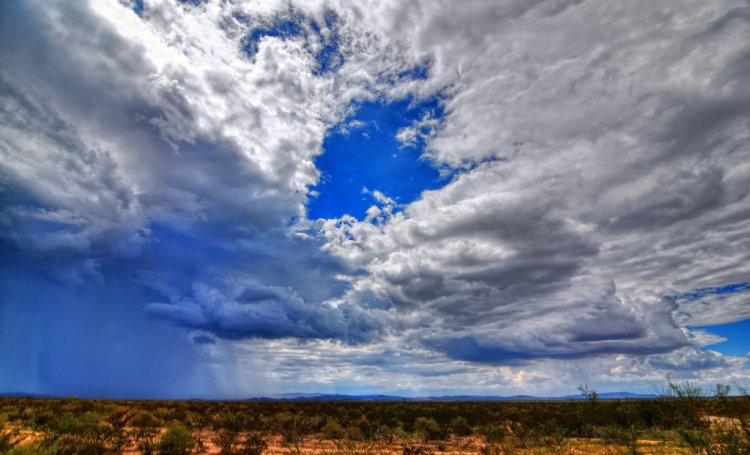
(584, 212)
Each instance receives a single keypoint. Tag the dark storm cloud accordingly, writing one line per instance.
(469, 349)
(60, 196)
(89, 340)
(119, 171)
(204, 339)
(556, 327)
(236, 307)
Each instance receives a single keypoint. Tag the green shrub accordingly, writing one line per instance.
(494, 434)
(366, 428)
(333, 430)
(385, 433)
(698, 432)
(7, 441)
(31, 449)
(78, 435)
(145, 433)
(233, 421)
(144, 419)
(354, 433)
(427, 428)
(614, 434)
(460, 426)
(176, 441)
(292, 427)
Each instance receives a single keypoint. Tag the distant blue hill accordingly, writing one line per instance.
(394, 398)
(616, 396)
(341, 397)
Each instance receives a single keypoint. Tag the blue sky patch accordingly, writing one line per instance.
(419, 72)
(737, 335)
(362, 154)
(285, 28)
(703, 292)
(329, 57)
(138, 6)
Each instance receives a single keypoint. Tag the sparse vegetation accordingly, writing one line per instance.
(686, 419)
(176, 441)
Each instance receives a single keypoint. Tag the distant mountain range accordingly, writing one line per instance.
(340, 397)
(393, 398)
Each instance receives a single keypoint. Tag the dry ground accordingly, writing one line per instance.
(455, 445)
(452, 446)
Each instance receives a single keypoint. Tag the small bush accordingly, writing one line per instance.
(144, 419)
(145, 431)
(78, 435)
(292, 427)
(614, 434)
(333, 430)
(354, 433)
(494, 434)
(7, 441)
(460, 426)
(427, 428)
(555, 436)
(176, 441)
(31, 449)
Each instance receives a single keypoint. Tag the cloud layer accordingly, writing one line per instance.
(596, 178)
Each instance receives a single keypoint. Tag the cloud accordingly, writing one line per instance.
(204, 339)
(146, 150)
(395, 366)
(690, 360)
(243, 309)
(596, 170)
(711, 306)
(59, 195)
(499, 279)
(422, 129)
(611, 166)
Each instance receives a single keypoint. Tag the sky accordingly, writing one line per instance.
(227, 199)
